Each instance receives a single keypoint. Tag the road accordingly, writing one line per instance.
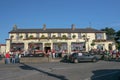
(101, 70)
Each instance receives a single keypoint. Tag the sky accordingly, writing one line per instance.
(97, 14)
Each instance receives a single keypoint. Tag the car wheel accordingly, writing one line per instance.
(94, 60)
(75, 61)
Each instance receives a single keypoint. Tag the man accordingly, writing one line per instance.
(13, 58)
(7, 58)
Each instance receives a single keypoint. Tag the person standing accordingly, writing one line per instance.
(7, 58)
(13, 58)
(53, 53)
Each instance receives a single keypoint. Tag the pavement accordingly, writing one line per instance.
(102, 70)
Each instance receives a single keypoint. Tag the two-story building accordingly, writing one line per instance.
(58, 39)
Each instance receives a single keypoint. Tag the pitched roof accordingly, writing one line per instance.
(57, 30)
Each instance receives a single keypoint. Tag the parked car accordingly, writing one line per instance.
(77, 57)
(1, 57)
(35, 55)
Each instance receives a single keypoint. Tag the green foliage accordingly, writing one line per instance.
(110, 32)
(20, 36)
(84, 36)
(43, 36)
(31, 36)
(118, 33)
(54, 36)
(73, 36)
(93, 44)
(11, 36)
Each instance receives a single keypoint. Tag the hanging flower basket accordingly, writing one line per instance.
(92, 44)
(74, 36)
(20, 36)
(11, 36)
(31, 37)
(53, 36)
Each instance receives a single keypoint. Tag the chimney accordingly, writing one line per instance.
(44, 27)
(15, 27)
(73, 26)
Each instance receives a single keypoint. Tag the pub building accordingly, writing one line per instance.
(58, 39)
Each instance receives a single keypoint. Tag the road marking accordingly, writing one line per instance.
(105, 74)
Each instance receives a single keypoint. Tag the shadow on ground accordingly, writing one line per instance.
(107, 74)
(27, 67)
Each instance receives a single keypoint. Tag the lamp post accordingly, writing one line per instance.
(86, 41)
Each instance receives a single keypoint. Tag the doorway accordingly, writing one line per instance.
(47, 48)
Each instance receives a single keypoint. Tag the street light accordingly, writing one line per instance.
(86, 40)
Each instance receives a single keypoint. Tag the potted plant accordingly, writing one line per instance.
(31, 36)
(64, 37)
(93, 43)
(21, 36)
(73, 36)
(43, 36)
(53, 36)
(11, 36)
(84, 36)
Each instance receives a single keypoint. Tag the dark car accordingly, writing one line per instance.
(35, 55)
(1, 57)
(77, 57)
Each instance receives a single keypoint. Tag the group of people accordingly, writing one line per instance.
(52, 53)
(12, 57)
(112, 54)
(107, 54)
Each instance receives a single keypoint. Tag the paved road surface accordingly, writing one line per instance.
(101, 70)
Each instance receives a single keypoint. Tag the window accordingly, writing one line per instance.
(59, 34)
(78, 46)
(69, 35)
(26, 35)
(17, 36)
(37, 35)
(100, 46)
(79, 36)
(49, 35)
(99, 36)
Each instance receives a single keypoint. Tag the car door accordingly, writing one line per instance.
(81, 58)
(86, 57)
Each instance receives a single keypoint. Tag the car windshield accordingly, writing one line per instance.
(74, 54)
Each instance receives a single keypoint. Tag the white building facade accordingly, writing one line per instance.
(58, 39)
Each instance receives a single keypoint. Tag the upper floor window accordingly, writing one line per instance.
(17, 36)
(99, 36)
(79, 36)
(37, 35)
(59, 34)
(49, 35)
(26, 35)
(69, 35)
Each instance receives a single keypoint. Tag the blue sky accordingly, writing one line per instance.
(58, 14)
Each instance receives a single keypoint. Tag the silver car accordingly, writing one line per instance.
(75, 57)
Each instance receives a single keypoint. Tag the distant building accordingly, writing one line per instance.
(59, 39)
(2, 48)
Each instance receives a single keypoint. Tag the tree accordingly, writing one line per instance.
(117, 39)
(118, 34)
(110, 32)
